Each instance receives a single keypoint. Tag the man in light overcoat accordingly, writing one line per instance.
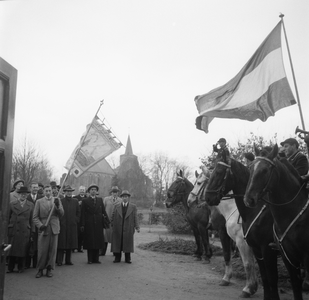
(48, 230)
(109, 203)
(124, 223)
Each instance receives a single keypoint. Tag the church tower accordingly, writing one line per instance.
(132, 178)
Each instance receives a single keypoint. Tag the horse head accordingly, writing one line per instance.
(200, 185)
(218, 184)
(178, 190)
(263, 175)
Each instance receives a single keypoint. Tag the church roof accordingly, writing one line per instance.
(129, 150)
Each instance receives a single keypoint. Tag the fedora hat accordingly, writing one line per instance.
(68, 188)
(53, 184)
(125, 192)
(115, 189)
(18, 181)
(93, 186)
(23, 190)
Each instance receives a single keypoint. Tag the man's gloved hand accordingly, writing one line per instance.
(82, 228)
(43, 227)
(56, 201)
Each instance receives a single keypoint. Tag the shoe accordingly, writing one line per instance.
(97, 262)
(128, 261)
(116, 261)
(69, 263)
(21, 271)
(89, 262)
(49, 273)
(39, 274)
(59, 264)
(9, 271)
(80, 251)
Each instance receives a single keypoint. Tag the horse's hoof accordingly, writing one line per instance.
(206, 261)
(305, 286)
(198, 258)
(224, 283)
(244, 295)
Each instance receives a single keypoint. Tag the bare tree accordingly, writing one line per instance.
(30, 164)
(163, 172)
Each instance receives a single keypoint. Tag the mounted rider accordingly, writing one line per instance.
(223, 151)
(294, 156)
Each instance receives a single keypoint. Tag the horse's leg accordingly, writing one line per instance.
(199, 248)
(305, 284)
(296, 281)
(205, 240)
(267, 261)
(248, 260)
(226, 247)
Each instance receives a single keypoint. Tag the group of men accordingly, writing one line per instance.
(46, 227)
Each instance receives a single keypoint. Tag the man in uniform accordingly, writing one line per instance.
(223, 151)
(92, 215)
(67, 240)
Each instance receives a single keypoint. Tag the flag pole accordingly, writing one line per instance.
(78, 150)
(295, 85)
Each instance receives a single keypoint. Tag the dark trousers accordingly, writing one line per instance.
(127, 256)
(103, 250)
(33, 259)
(13, 260)
(80, 238)
(60, 255)
(93, 255)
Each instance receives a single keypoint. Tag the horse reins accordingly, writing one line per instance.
(266, 191)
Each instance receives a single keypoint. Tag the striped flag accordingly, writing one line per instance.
(259, 90)
(98, 143)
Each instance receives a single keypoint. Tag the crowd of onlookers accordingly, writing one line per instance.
(46, 224)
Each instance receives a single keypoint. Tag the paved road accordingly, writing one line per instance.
(151, 276)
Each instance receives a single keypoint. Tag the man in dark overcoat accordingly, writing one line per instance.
(19, 229)
(92, 215)
(124, 222)
(67, 239)
(80, 235)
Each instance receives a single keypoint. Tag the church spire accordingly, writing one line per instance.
(129, 150)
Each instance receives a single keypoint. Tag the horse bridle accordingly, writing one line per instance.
(175, 190)
(221, 189)
(266, 188)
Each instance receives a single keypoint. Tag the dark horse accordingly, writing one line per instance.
(257, 222)
(198, 218)
(278, 184)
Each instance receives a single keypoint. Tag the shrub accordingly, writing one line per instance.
(156, 217)
(140, 217)
(175, 220)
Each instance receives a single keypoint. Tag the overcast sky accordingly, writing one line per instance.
(147, 60)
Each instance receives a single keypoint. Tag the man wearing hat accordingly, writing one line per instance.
(46, 214)
(109, 203)
(18, 183)
(19, 229)
(297, 159)
(67, 239)
(249, 157)
(92, 224)
(124, 222)
(223, 151)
